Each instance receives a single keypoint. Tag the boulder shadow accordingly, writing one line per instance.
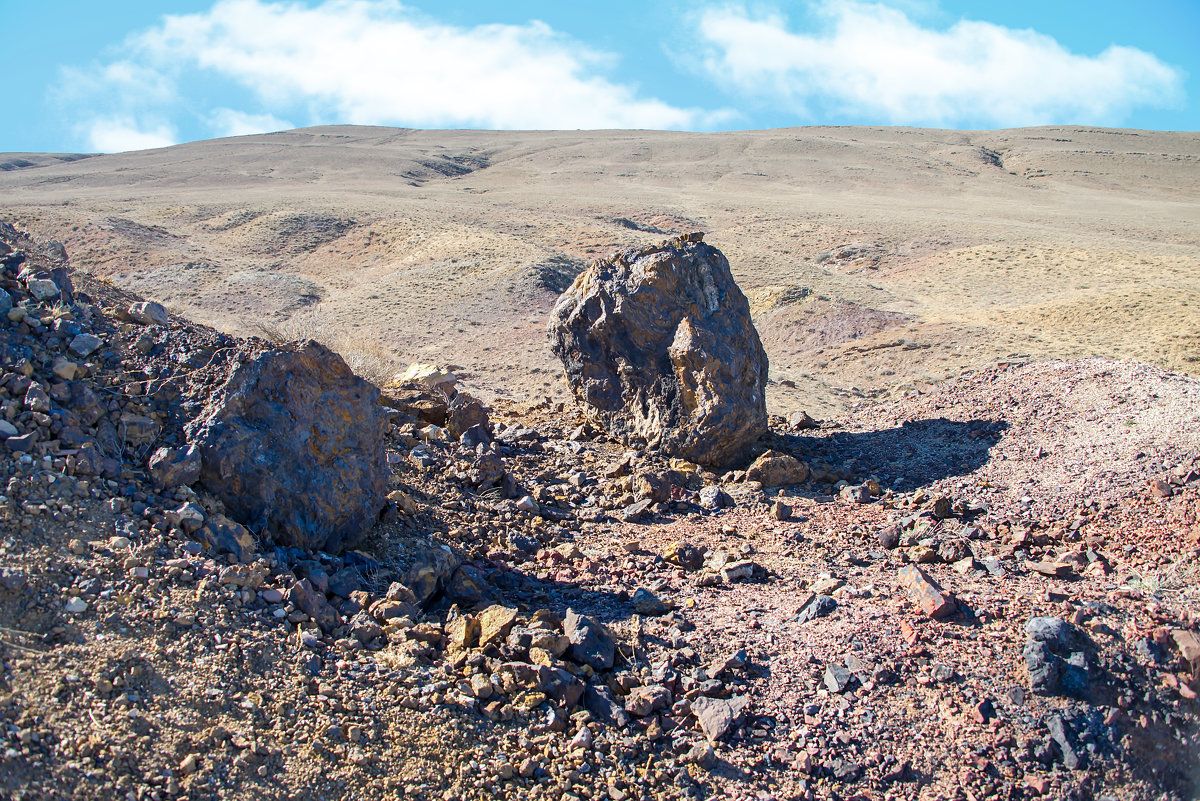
(914, 454)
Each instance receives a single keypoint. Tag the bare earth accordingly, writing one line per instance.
(876, 259)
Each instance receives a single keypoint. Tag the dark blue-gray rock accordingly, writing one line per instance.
(590, 643)
(429, 572)
(7, 429)
(292, 444)
(659, 348)
(223, 535)
(1058, 634)
(314, 604)
(818, 606)
(600, 702)
(84, 345)
(637, 511)
(174, 467)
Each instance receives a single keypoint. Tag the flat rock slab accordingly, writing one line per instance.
(926, 593)
(716, 715)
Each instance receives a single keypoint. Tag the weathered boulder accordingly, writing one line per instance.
(774, 469)
(659, 347)
(293, 446)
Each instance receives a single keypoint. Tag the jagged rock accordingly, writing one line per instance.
(716, 715)
(647, 700)
(172, 467)
(429, 572)
(774, 469)
(148, 313)
(223, 535)
(659, 347)
(590, 643)
(313, 603)
(464, 413)
(293, 445)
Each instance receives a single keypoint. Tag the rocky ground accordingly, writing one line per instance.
(985, 591)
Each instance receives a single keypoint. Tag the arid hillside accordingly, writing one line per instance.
(877, 260)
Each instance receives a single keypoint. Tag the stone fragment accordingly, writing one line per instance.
(716, 715)
(313, 603)
(647, 700)
(774, 469)
(685, 555)
(464, 413)
(1058, 634)
(1189, 647)
(173, 467)
(293, 446)
(659, 347)
(495, 623)
(926, 593)
(84, 345)
(148, 313)
(780, 510)
(223, 535)
(590, 643)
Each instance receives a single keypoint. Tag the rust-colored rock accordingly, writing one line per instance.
(293, 446)
(932, 600)
(659, 347)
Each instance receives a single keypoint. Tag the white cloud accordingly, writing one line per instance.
(378, 62)
(231, 122)
(118, 134)
(871, 61)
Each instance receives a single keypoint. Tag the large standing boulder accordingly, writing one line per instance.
(659, 347)
(293, 446)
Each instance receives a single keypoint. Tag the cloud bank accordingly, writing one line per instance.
(871, 62)
(354, 61)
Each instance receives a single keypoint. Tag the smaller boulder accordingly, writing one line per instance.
(148, 313)
(464, 413)
(774, 469)
(174, 467)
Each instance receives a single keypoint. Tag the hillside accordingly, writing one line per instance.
(877, 260)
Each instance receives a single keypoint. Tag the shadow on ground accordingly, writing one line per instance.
(914, 454)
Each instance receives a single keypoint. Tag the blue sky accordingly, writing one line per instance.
(85, 76)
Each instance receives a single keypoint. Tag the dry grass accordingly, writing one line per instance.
(368, 356)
